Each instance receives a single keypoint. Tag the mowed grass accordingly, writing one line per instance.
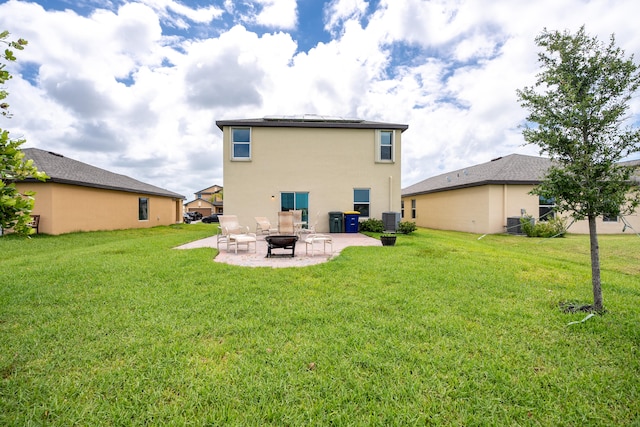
(118, 328)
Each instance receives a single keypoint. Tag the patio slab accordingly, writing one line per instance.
(258, 259)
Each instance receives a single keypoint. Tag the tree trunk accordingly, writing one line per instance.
(595, 265)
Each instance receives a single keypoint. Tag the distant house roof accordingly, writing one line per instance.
(311, 121)
(207, 190)
(511, 169)
(63, 170)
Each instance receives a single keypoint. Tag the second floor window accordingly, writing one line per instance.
(385, 149)
(240, 143)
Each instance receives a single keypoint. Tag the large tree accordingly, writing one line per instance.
(15, 207)
(578, 109)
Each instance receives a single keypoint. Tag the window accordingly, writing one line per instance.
(143, 209)
(546, 208)
(401, 208)
(361, 201)
(240, 143)
(610, 218)
(384, 149)
(295, 201)
(413, 208)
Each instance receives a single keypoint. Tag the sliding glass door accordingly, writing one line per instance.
(290, 201)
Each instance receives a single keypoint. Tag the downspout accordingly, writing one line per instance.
(504, 203)
(390, 193)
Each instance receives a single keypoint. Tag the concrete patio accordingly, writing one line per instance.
(258, 259)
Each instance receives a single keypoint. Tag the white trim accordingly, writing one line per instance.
(378, 144)
(240, 159)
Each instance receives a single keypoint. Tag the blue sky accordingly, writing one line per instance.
(135, 87)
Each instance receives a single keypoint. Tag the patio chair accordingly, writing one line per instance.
(263, 226)
(35, 223)
(311, 228)
(297, 221)
(311, 239)
(229, 225)
(285, 223)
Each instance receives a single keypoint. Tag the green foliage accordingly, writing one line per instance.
(372, 225)
(579, 104)
(15, 207)
(407, 227)
(554, 227)
(578, 107)
(118, 329)
(7, 55)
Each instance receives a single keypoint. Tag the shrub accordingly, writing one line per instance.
(555, 227)
(407, 227)
(373, 225)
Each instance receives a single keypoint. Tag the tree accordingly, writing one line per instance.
(577, 111)
(15, 207)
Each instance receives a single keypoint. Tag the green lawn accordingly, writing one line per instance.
(117, 328)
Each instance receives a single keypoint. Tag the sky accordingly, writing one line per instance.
(135, 87)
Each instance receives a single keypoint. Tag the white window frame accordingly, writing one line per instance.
(233, 143)
(379, 158)
(367, 203)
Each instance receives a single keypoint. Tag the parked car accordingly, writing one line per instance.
(211, 218)
(186, 218)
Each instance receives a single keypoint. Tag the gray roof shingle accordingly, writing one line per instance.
(311, 121)
(511, 169)
(64, 170)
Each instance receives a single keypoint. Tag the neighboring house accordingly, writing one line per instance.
(207, 201)
(81, 197)
(312, 163)
(490, 198)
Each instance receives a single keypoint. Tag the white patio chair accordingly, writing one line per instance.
(263, 226)
(229, 225)
(285, 223)
(312, 239)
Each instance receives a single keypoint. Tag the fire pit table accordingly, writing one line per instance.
(281, 242)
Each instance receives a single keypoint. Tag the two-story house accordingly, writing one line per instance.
(312, 163)
(207, 201)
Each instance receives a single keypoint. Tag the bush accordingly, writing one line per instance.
(555, 227)
(373, 225)
(407, 227)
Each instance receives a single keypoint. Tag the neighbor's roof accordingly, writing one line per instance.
(206, 190)
(511, 169)
(311, 121)
(63, 170)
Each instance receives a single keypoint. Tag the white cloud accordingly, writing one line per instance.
(112, 90)
(166, 9)
(337, 12)
(279, 14)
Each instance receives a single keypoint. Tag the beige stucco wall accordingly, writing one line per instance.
(67, 208)
(485, 209)
(609, 227)
(482, 209)
(326, 163)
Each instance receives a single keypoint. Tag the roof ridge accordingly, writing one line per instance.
(66, 170)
